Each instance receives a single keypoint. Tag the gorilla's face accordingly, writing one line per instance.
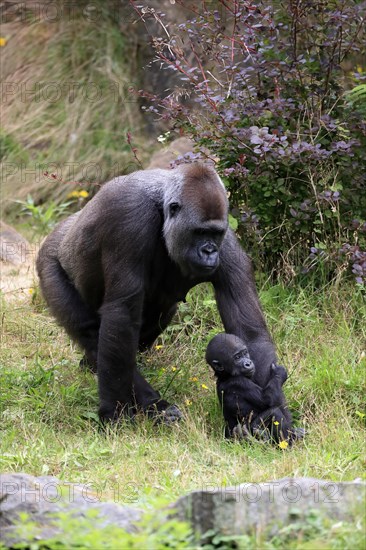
(196, 223)
(229, 356)
(239, 362)
(201, 253)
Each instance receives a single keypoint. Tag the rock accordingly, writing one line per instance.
(13, 247)
(40, 497)
(262, 506)
(163, 157)
(247, 508)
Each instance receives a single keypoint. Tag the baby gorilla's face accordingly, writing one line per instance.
(228, 355)
(241, 363)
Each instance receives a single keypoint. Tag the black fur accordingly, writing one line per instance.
(113, 273)
(243, 401)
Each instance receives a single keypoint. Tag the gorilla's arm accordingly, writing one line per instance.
(272, 392)
(243, 400)
(243, 395)
(239, 306)
(240, 398)
(118, 341)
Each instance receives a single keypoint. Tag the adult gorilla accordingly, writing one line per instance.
(112, 275)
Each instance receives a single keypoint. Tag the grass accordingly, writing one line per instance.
(66, 106)
(50, 425)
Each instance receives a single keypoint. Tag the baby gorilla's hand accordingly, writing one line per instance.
(280, 371)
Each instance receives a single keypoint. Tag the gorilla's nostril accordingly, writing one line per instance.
(208, 249)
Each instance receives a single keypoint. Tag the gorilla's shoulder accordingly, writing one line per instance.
(139, 186)
(143, 179)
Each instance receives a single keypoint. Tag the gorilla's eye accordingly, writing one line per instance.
(240, 354)
(174, 207)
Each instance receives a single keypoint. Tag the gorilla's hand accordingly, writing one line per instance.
(280, 371)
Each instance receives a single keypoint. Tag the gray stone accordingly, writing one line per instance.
(41, 497)
(263, 506)
(14, 248)
(163, 157)
(259, 507)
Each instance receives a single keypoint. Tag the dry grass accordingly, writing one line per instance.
(66, 108)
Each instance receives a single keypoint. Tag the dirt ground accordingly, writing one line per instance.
(17, 282)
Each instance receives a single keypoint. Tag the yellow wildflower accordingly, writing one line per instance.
(194, 379)
(188, 402)
(174, 369)
(159, 346)
(276, 423)
(283, 444)
(204, 387)
(31, 291)
(78, 194)
(3, 42)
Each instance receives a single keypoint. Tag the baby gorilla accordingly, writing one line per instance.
(248, 409)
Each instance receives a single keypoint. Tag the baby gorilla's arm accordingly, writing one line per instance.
(241, 397)
(272, 392)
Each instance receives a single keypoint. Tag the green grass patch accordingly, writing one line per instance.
(49, 405)
(50, 424)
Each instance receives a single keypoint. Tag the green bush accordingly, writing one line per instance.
(272, 111)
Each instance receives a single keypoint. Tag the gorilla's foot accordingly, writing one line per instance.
(115, 415)
(171, 414)
(241, 432)
(164, 413)
(297, 433)
(263, 434)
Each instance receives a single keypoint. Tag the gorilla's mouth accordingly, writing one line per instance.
(202, 270)
(248, 373)
(201, 264)
(208, 267)
(243, 371)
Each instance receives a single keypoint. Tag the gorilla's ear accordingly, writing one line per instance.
(216, 365)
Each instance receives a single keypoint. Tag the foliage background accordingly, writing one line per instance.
(270, 84)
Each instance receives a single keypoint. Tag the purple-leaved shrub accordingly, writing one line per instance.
(268, 84)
